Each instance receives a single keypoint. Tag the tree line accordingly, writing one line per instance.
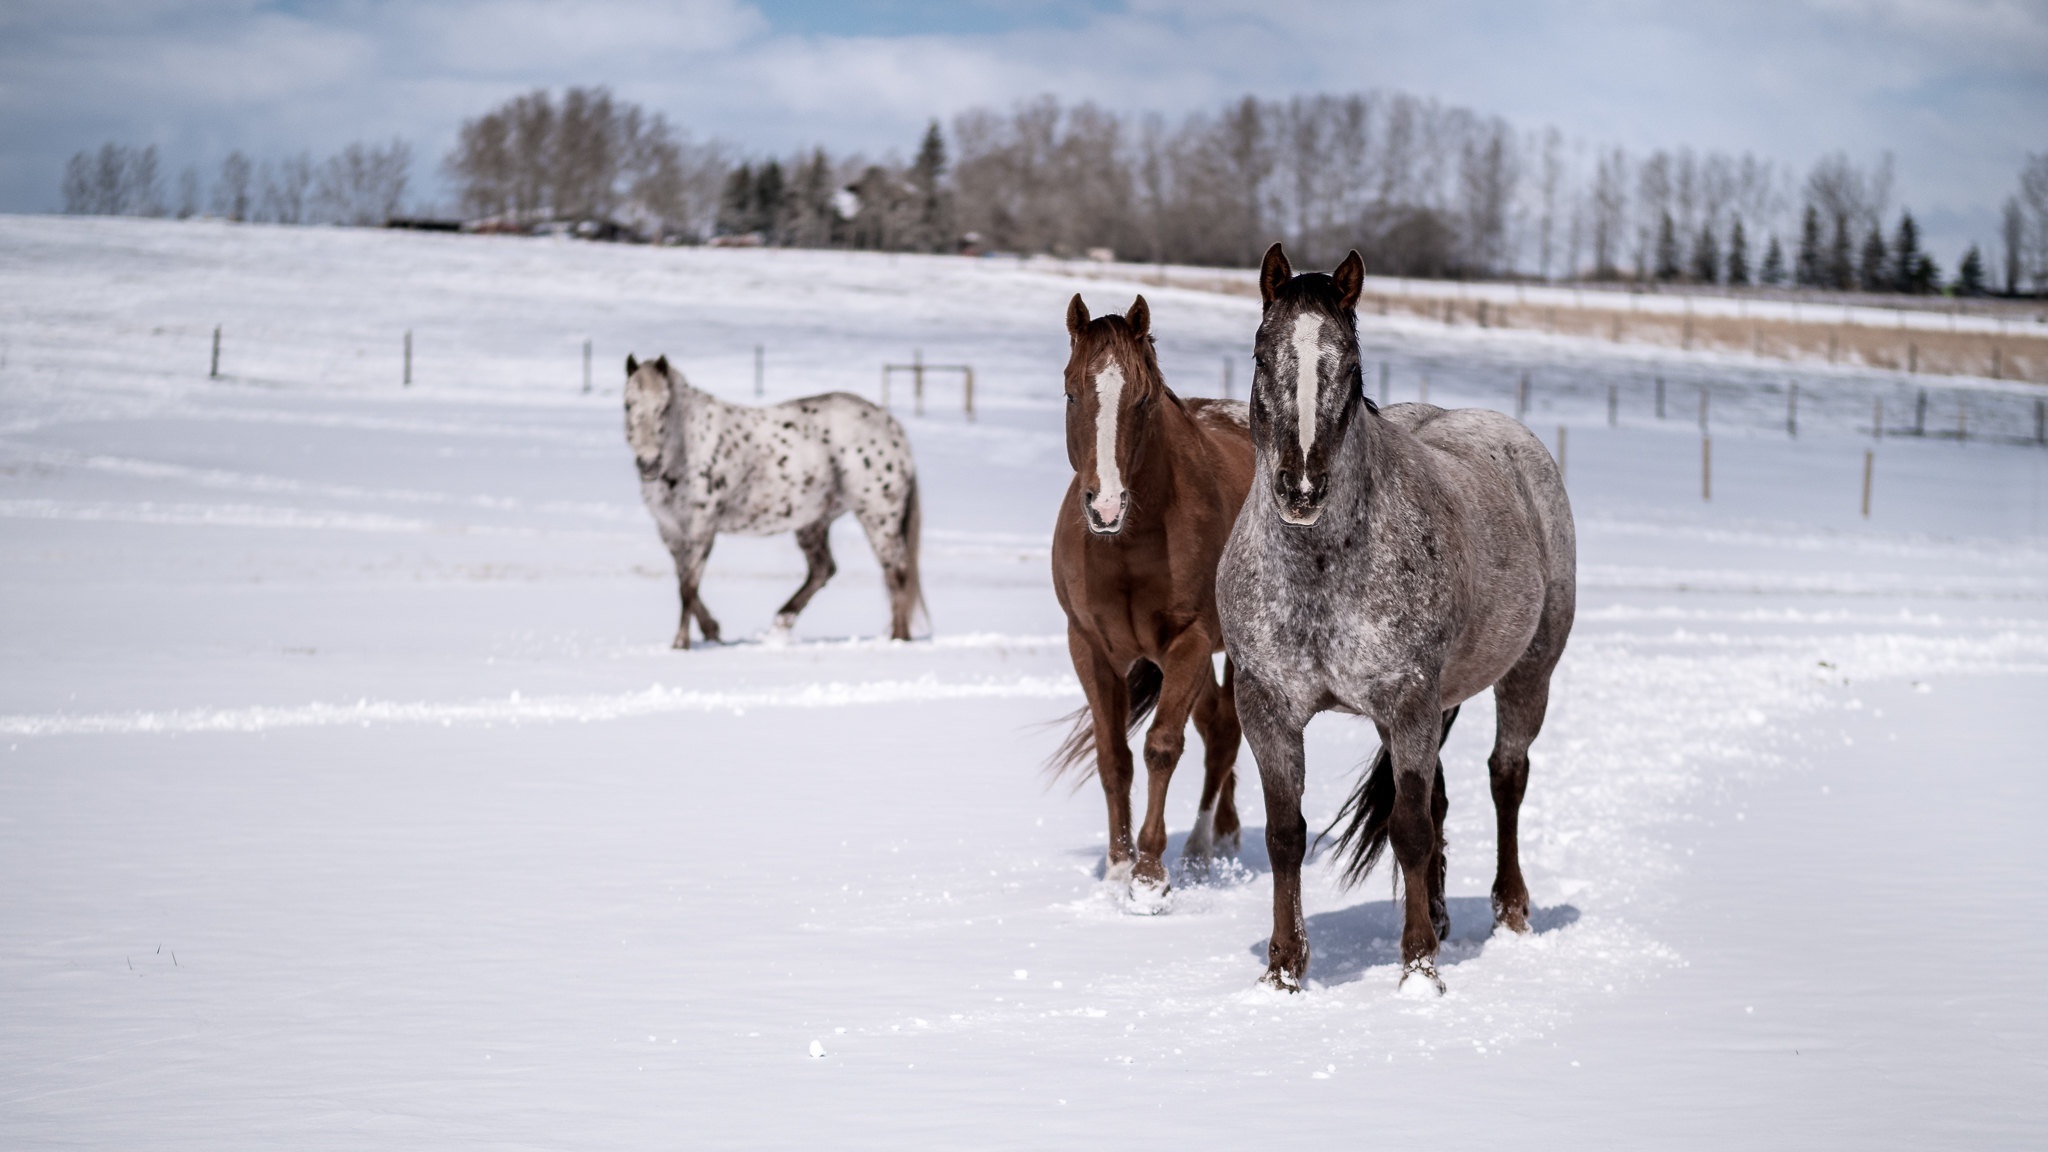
(1419, 187)
(362, 184)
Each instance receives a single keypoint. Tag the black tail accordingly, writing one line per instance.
(1367, 815)
(1078, 749)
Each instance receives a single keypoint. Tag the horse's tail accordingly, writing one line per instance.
(1368, 815)
(910, 534)
(1078, 749)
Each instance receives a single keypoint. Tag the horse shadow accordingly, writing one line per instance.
(1346, 942)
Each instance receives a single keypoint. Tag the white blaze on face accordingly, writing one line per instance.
(1109, 483)
(1308, 374)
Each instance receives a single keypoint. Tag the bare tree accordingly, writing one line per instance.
(231, 188)
(2012, 232)
(363, 184)
(2033, 198)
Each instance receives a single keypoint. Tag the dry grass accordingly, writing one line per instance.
(1931, 353)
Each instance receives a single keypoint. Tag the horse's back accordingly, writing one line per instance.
(1492, 461)
(867, 445)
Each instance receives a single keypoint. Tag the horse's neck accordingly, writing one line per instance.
(1365, 459)
(1176, 441)
(695, 412)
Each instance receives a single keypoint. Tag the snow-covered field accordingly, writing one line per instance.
(351, 796)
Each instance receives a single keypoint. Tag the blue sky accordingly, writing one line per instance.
(1958, 91)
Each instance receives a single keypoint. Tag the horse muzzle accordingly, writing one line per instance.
(1300, 498)
(1105, 521)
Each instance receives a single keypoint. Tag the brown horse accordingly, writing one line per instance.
(1158, 482)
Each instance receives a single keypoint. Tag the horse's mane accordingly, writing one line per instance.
(1116, 332)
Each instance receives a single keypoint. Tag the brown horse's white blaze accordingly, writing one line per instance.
(1108, 499)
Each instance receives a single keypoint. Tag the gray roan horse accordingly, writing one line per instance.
(1393, 564)
(708, 467)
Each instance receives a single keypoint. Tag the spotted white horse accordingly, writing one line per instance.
(708, 467)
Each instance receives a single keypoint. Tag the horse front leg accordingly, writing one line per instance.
(1185, 678)
(1109, 709)
(1275, 736)
(1414, 736)
(690, 556)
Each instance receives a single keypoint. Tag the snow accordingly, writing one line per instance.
(351, 795)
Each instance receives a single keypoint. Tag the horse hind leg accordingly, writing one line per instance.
(816, 542)
(1217, 830)
(1520, 700)
(1439, 807)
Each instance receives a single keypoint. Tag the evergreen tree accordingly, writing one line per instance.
(1738, 254)
(1875, 273)
(1808, 273)
(1773, 271)
(1706, 257)
(1667, 251)
(1970, 274)
(765, 211)
(1926, 277)
(925, 175)
(1906, 254)
(736, 204)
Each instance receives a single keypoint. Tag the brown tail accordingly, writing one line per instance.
(913, 530)
(1078, 749)
(1368, 815)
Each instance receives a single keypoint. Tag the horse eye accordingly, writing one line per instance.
(1070, 397)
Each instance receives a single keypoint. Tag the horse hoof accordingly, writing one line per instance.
(1231, 846)
(1147, 896)
(1280, 979)
(1513, 917)
(681, 643)
(1419, 978)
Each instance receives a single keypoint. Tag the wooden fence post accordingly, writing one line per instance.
(1560, 452)
(213, 373)
(1613, 404)
(917, 377)
(408, 357)
(1706, 467)
(760, 370)
(1869, 460)
(1792, 410)
(586, 365)
(1660, 397)
(1920, 414)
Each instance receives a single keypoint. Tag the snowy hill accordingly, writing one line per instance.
(352, 796)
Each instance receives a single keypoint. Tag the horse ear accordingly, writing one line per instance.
(1077, 316)
(1273, 272)
(1139, 317)
(632, 365)
(1350, 279)
(661, 364)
